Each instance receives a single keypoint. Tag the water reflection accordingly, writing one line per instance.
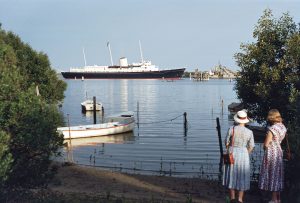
(155, 147)
(89, 116)
(124, 95)
(94, 141)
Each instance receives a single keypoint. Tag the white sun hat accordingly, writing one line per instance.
(241, 117)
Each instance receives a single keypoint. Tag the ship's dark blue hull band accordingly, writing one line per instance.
(173, 73)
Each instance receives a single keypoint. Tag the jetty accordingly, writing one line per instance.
(217, 72)
(200, 75)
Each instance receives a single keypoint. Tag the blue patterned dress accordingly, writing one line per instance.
(237, 175)
(271, 173)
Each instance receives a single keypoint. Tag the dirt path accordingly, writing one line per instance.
(140, 188)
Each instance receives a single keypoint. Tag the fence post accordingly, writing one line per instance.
(138, 114)
(70, 150)
(102, 114)
(185, 123)
(94, 109)
(219, 136)
(222, 103)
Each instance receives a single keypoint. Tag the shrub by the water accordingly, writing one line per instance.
(28, 122)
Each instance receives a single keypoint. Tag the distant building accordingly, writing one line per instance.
(220, 71)
(216, 72)
(200, 75)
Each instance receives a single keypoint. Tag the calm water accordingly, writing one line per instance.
(159, 145)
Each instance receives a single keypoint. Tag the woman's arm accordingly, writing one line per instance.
(227, 138)
(268, 139)
(251, 144)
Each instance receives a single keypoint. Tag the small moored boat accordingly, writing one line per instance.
(88, 105)
(234, 107)
(115, 124)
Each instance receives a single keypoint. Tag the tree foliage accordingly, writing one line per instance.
(270, 68)
(28, 122)
(270, 78)
(5, 157)
(34, 67)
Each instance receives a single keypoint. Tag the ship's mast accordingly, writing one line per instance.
(84, 57)
(111, 59)
(141, 51)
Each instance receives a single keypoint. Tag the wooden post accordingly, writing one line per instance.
(138, 114)
(219, 135)
(70, 152)
(102, 117)
(220, 175)
(185, 123)
(161, 165)
(94, 109)
(222, 103)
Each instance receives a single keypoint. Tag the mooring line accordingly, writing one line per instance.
(164, 121)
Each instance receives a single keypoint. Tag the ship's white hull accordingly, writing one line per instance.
(163, 74)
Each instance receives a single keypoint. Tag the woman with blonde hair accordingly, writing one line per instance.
(271, 173)
(240, 142)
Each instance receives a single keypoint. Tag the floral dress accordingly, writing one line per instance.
(271, 173)
(237, 175)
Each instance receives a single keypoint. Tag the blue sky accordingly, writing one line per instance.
(173, 33)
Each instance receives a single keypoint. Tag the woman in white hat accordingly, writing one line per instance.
(239, 140)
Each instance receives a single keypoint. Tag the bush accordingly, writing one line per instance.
(28, 122)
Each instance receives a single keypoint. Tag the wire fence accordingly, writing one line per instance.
(211, 168)
(208, 168)
(210, 171)
(162, 121)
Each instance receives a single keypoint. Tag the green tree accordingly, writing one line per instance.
(5, 157)
(28, 137)
(35, 68)
(34, 139)
(269, 68)
(270, 78)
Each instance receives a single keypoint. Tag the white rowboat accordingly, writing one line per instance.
(119, 123)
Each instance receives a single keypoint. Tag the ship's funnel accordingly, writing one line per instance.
(123, 62)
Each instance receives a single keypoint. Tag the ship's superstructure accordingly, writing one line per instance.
(142, 70)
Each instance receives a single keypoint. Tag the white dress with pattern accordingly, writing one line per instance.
(271, 173)
(237, 175)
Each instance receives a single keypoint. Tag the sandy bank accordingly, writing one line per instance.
(95, 182)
